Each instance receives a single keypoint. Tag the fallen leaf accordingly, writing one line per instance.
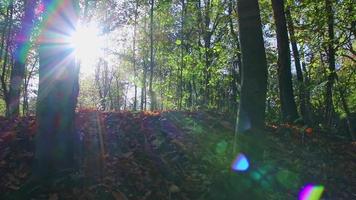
(174, 189)
(119, 195)
(13, 187)
(53, 196)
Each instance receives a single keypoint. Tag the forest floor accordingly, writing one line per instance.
(178, 155)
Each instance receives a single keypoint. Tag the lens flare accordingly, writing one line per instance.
(240, 163)
(86, 41)
(311, 192)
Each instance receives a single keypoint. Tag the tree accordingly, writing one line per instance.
(304, 104)
(251, 115)
(103, 81)
(22, 40)
(4, 53)
(134, 53)
(288, 106)
(58, 90)
(152, 63)
(329, 110)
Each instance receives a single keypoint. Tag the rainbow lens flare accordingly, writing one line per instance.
(311, 192)
(240, 163)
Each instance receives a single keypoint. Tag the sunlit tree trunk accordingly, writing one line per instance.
(22, 41)
(152, 93)
(58, 90)
(288, 106)
(254, 68)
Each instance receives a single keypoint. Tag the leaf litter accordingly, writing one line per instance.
(178, 155)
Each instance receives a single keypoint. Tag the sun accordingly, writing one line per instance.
(88, 46)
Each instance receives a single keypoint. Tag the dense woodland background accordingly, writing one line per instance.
(186, 55)
(280, 66)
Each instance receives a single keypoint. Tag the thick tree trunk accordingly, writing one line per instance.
(22, 40)
(288, 106)
(329, 109)
(58, 91)
(254, 68)
(251, 115)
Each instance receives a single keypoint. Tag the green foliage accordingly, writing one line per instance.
(2, 108)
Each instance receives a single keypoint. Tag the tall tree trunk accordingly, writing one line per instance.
(152, 95)
(306, 80)
(254, 68)
(329, 109)
(25, 88)
(251, 115)
(22, 41)
(301, 87)
(134, 55)
(5, 47)
(345, 106)
(207, 45)
(58, 90)
(288, 106)
(143, 90)
(236, 63)
(144, 77)
(181, 56)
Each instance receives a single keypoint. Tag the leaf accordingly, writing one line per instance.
(178, 42)
(53, 196)
(174, 189)
(13, 187)
(221, 147)
(119, 195)
(127, 155)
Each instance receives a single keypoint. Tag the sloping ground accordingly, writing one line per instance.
(178, 155)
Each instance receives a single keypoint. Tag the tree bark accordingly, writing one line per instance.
(134, 54)
(144, 77)
(236, 63)
(5, 44)
(345, 106)
(304, 111)
(329, 109)
(22, 41)
(180, 101)
(288, 106)
(152, 94)
(58, 91)
(251, 113)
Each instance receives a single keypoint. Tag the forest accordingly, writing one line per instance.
(178, 99)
